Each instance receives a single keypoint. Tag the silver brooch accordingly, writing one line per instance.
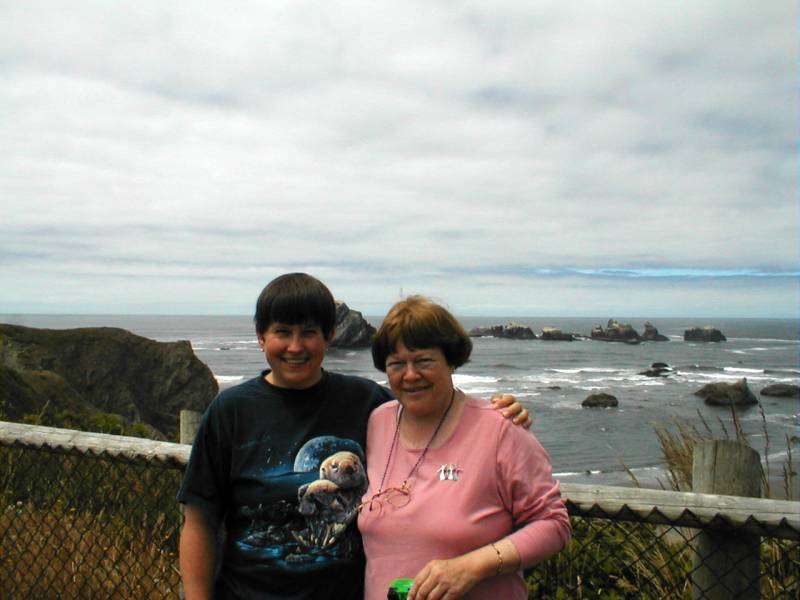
(448, 472)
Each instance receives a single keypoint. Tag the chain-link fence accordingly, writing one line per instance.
(92, 516)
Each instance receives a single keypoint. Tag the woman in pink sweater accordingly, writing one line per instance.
(458, 499)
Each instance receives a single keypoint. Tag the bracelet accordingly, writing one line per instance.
(499, 560)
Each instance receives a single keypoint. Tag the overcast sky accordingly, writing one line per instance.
(597, 158)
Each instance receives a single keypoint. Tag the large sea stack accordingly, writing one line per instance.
(100, 369)
(552, 334)
(615, 332)
(352, 329)
(512, 331)
(651, 334)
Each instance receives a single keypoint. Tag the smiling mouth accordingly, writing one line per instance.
(416, 390)
(295, 361)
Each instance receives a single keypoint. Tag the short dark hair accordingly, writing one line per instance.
(296, 299)
(419, 323)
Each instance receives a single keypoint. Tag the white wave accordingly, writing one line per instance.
(742, 370)
(726, 377)
(481, 391)
(566, 404)
(756, 340)
(228, 378)
(583, 370)
(550, 380)
(461, 379)
(577, 473)
(620, 379)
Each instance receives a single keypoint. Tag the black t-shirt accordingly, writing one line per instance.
(284, 469)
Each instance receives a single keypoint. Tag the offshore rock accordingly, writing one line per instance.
(657, 369)
(651, 334)
(352, 330)
(87, 370)
(556, 335)
(727, 394)
(703, 334)
(615, 332)
(512, 331)
(600, 400)
(781, 390)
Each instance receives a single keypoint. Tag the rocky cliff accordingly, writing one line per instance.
(105, 369)
(352, 329)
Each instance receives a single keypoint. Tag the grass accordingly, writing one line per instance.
(677, 444)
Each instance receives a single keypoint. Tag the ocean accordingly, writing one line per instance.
(552, 378)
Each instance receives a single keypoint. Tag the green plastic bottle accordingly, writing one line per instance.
(398, 589)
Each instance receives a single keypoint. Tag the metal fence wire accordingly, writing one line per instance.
(78, 524)
(82, 526)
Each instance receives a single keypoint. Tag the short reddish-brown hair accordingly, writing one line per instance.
(419, 323)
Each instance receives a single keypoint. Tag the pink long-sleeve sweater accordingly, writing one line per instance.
(504, 487)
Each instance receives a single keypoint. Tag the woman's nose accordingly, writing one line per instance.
(411, 371)
(295, 344)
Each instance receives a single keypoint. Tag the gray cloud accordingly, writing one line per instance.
(485, 152)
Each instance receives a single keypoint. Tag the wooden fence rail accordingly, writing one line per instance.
(774, 518)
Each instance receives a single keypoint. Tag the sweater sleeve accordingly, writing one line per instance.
(527, 489)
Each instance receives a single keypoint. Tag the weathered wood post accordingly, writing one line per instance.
(726, 565)
(190, 422)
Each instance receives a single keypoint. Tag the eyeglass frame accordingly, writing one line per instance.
(403, 491)
(421, 364)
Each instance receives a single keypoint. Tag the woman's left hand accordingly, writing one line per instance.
(512, 410)
(444, 580)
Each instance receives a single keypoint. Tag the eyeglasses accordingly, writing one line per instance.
(423, 363)
(396, 497)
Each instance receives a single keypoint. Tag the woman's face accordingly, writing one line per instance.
(420, 379)
(295, 353)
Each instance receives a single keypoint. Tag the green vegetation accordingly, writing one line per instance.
(98, 422)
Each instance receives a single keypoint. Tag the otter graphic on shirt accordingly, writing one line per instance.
(327, 479)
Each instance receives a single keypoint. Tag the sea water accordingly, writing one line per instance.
(553, 378)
